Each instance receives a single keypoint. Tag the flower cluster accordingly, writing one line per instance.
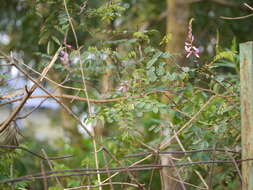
(189, 47)
(64, 56)
(123, 87)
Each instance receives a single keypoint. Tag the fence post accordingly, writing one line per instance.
(246, 78)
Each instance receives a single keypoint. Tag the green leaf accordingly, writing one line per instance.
(154, 59)
(56, 40)
(140, 104)
(151, 76)
(155, 109)
(166, 55)
(229, 55)
(50, 47)
(148, 107)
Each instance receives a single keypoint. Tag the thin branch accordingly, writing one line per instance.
(96, 161)
(104, 184)
(190, 160)
(228, 3)
(164, 14)
(74, 116)
(237, 168)
(163, 145)
(86, 99)
(51, 167)
(33, 153)
(45, 184)
(94, 171)
(33, 110)
(236, 18)
(210, 180)
(29, 92)
(127, 171)
(248, 6)
(50, 80)
(107, 169)
(36, 107)
(180, 180)
(134, 164)
(189, 184)
(181, 152)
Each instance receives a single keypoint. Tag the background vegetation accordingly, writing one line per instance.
(124, 64)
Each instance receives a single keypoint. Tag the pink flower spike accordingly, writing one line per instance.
(187, 48)
(192, 38)
(195, 49)
(189, 54)
(197, 55)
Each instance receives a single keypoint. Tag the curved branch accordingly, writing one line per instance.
(95, 171)
(72, 97)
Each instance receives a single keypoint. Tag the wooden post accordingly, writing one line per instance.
(246, 78)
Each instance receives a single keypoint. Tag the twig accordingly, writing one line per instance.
(210, 181)
(163, 145)
(33, 110)
(38, 106)
(50, 80)
(181, 152)
(29, 92)
(51, 167)
(33, 153)
(96, 161)
(237, 18)
(107, 169)
(73, 115)
(189, 184)
(178, 174)
(104, 184)
(85, 99)
(134, 164)
(43, 174)
(247, 5)
(236, 167)
(190, 160)
(153, 172)
(119, 169)
(127, 171)
(79, 56)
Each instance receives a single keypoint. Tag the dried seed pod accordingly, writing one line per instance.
(9, 135)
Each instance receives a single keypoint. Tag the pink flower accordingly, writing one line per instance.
(123, 87)
(189, 47)
(68, 46)
(64, 56)
(191, 50)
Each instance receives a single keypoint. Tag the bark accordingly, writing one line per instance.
(106, 86)
(177, 25)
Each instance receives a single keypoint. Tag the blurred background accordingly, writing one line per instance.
(33, 30)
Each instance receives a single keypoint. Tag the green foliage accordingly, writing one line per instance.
(159, 96)
(108, 12)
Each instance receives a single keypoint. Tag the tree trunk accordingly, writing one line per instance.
(177, 25)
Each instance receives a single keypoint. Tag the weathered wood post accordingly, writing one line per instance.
(246, 78)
